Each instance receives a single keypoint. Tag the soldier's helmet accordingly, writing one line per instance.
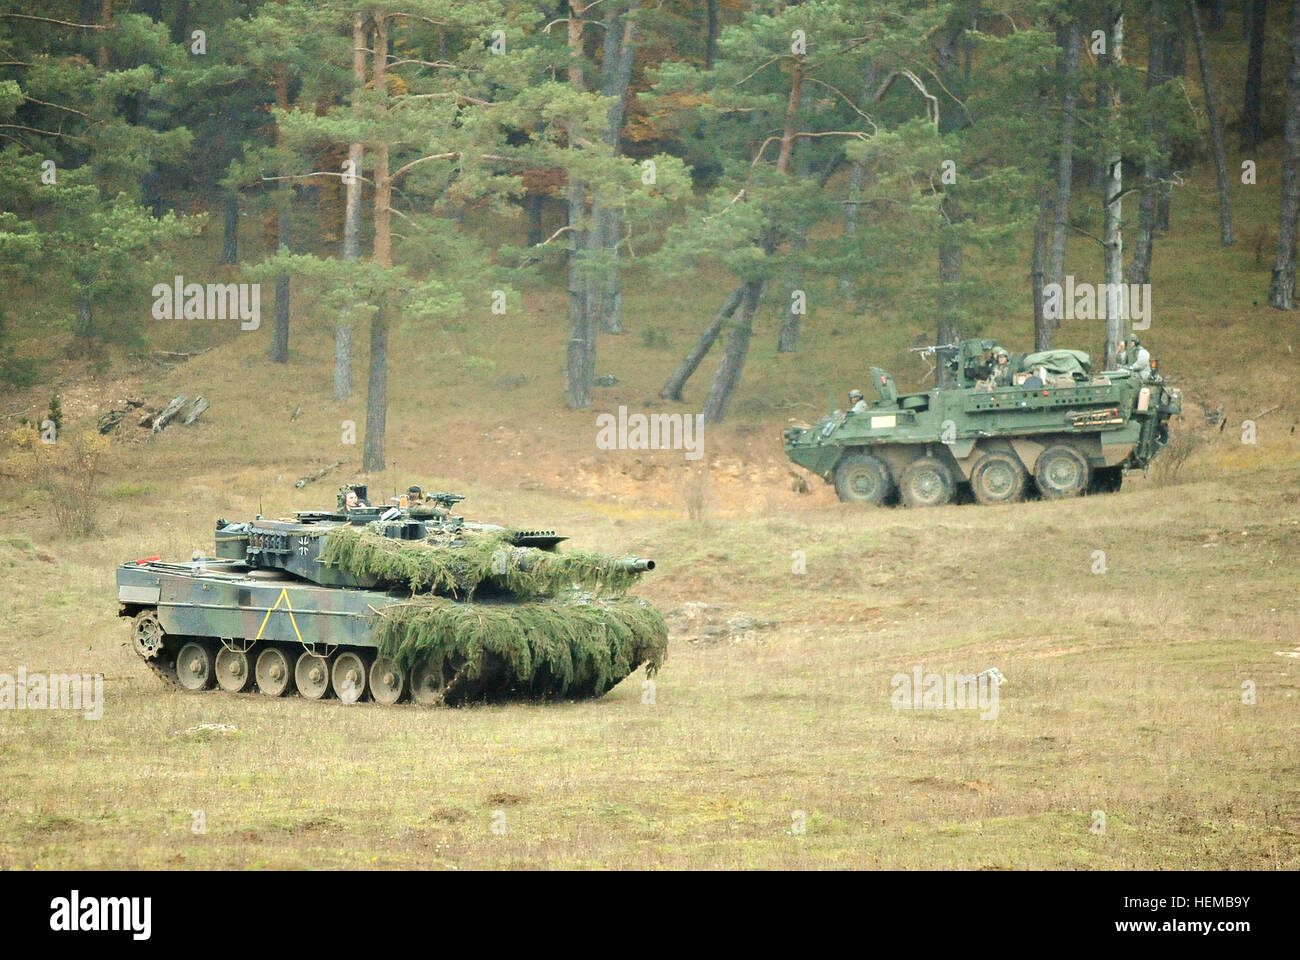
(1133, 341)
(1000, 352)
(855, 394)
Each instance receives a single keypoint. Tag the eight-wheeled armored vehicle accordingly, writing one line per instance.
(1057, 422)
(390, 603)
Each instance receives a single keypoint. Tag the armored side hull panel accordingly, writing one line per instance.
(1069, 436)
(387, 606)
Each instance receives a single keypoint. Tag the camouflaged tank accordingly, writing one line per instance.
(389, 604)
(1056, 429)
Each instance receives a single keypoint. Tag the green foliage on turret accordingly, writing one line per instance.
(458, 569)
(579, 647)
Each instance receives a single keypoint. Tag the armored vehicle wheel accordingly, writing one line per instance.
(862, 478)
(1106, 480)
(428, 685)
(997, 478)
(926, 482)
(312, 674)
(274, 672)
(234, 670)
(1062, 471)
(147, 634)
(194, 670)
(387, 681)
(349, 676)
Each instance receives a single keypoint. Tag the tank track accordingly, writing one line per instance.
(462, 686)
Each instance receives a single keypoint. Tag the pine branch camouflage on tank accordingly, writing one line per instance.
(459, 568)
(579, 647)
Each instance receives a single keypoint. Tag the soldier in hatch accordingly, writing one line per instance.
(351, 501)
(856, 403)
(1139, 360)
(1000, 371)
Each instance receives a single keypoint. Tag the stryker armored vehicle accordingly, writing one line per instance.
(1070, 430)
(390, 603)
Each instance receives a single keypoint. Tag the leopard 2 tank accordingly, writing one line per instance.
(395, 603)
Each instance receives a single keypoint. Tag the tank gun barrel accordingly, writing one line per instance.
(636, 564)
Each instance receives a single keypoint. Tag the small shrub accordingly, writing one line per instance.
(1170, 461)
(69, 472)
(654, 338)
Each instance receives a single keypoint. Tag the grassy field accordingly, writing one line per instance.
(776, 747)
(1123, 694)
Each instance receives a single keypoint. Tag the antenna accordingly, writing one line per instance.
(259, 505)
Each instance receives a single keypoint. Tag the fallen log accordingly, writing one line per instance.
(169, 412)
(195, 410)
(313, 477)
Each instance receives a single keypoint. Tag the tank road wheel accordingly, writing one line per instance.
(428, 684)
(312, 674)
(926, 482)
(234, 670)
(274, 672)
(349, 676)
(147, 634)
(387, 681)
(1062, 471)
(862, 478)
(194, 669)
(998, 478)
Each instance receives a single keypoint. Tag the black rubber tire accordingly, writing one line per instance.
(926, 482)
(862, 478)
(1106, 480)
(1062, 472)
(998, 477)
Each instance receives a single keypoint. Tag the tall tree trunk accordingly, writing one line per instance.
(796, 300)
(1250, 111)
(1037, 270)
(351, 216)
(377, 388)
(733, 359)
(1216, 129)
(1113, 239)
(672, 389)
(606, 296)
(857, 182)
(1143, 245)
(1281, 291)
(85, 315)
(727, 375)
(711, 40)
(230, 242)
(580, 355)
(1068, 67)
(950, 300)
(280, 332)
(1217, 14)
(1175, 60)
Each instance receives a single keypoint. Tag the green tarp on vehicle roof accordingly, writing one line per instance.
(1059, 362)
